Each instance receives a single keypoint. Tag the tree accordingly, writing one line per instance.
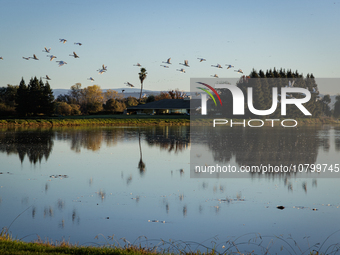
(22, 98)
(93, 98)
(142, 77)
(8, 94)
(110, 94)
(336, 112)
(63, 108)
(114, 105)
(35, 98)
(47, 104)
(150, 99)
(76, 93)
(131, 101)
(325, 107)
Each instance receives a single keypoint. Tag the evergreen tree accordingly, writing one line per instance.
(336, 112)
(22, 99)
(262, 92)
(34, 97)
(47, 104)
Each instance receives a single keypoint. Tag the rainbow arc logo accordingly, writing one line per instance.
(209, 93)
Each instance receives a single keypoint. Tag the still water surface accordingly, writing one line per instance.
(80, 183)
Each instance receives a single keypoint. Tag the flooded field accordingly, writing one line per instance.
(87, 184)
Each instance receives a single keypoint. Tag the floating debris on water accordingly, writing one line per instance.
(61, 176)
(155, 221)
(280, 207)
(228, 200)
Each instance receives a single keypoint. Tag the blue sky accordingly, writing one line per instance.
(302, 35)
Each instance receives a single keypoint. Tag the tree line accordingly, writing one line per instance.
(262, 84)
(36, 98)
(27, 100)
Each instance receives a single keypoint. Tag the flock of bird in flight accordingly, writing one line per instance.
(61, 62)
(186, 63)
(103, 69)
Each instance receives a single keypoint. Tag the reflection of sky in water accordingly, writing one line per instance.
(105, 193)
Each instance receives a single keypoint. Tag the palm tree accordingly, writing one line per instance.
(142, 76)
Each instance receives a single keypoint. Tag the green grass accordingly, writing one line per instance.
(135, 120)
(15, 247)
(9, 246)
(99, 120)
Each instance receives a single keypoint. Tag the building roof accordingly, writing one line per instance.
(166, 104)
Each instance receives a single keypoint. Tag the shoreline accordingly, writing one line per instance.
(137, 120)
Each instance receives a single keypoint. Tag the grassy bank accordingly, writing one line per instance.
(113, 120)
(14, 247)
(9, 246)
(141, 120)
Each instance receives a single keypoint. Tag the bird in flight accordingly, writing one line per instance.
(165, 66)
(129, 84)
(28, 58)
(104, 67)
(78, 43)
(47, 50)
(47, 78)
(74, 55)
(101, 71)
(229, 66)
(167, 62)
(123, 90)
(290, 84)
(215, 76)
(185, 63)
(239, 71)
(1, 58)
(61, 63)
(91, 79)
(202, 59)
(138, 64)
(63, 40)
(35, 57)
(218, 66)
(181, 70)
(51, 57)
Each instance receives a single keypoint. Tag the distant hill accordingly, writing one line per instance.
(134, 92)
(57, 92)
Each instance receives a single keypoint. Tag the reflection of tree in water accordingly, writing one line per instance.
(169, 138)
(324, 141)
(90, 138)
(337, 138)
(256, 146)
(35, 143)
(141, 164)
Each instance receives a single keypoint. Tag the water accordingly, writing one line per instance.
(90, 183)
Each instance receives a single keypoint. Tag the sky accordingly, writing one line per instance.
(298, 35)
